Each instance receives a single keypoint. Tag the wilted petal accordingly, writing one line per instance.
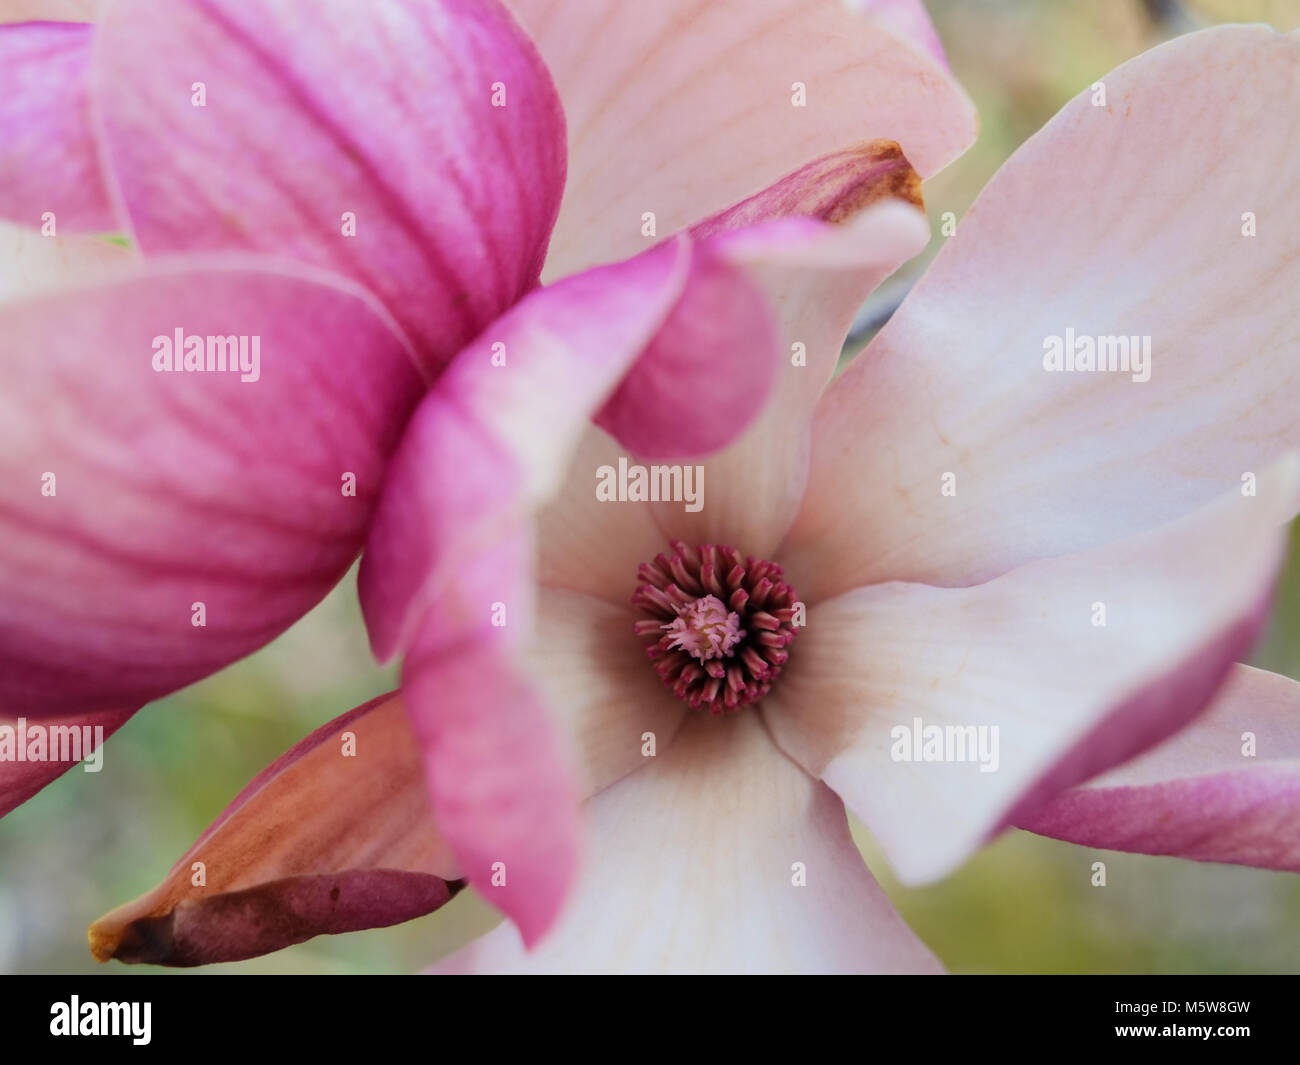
(66, 741)
(1225, 789)
(695, 864)
(156, 526)
(314, 112)
(1125, 220)
(49, 157)
(682, 107)
(1080, 663)
(335, 836)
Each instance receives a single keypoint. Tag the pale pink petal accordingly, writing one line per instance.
(48, 10)
(590, 545)
(49, 161)
(498, 432)
(1225, 789)
(156, 526)
(682, 107)
(335, 836)
(1024, 653)
(816, 276)
(313, 111)
(65, 742)
(694, 865)
(30, 262)
(1116, 220)
(907, 18)
(600, 688)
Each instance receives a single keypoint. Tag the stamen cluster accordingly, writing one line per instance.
(718, 626)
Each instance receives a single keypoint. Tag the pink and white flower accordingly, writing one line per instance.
(719, 842)
(367, 196)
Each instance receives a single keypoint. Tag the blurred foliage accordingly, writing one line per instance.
(1025, 904)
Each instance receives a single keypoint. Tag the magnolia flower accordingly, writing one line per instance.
(978, 543)
(350, 200)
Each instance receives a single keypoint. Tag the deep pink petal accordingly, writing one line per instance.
(128, 496)
(1225, 789)
(20, 778)
(1024, 653)
(695, 867)
(1123, 220)
(335, 836)
(312, 110)
(49, 158)
(682, 107)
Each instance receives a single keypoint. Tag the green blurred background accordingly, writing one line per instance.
(1023, 905)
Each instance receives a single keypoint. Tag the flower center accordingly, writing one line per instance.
(718, 624)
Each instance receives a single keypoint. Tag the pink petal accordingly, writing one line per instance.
(335, 836)
(680, 108)
(521, 720)
(493, 441)
(1197, 795)
(316, 110)
(1070, 698)
(176, 489)
(49, 159)
(63, 749)
(817, 277)
(502, 789)
(706, 373)
(1123, 220)
(692, 867)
